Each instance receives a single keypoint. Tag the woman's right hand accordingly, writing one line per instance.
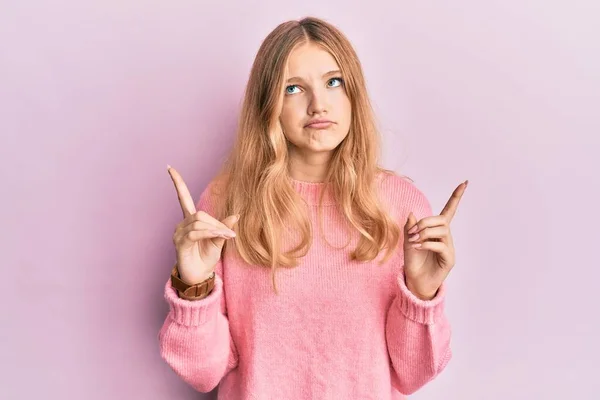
(199, 238)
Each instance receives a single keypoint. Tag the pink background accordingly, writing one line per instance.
(96, 98)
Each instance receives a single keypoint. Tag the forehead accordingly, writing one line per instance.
(309, 59)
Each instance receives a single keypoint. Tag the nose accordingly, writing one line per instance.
(317, 103)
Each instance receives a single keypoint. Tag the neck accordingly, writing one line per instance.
(308, 166)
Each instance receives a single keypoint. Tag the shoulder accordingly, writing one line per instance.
(401, 195)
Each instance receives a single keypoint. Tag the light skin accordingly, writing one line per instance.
(198, 238)
(429, 252)
(314, 90)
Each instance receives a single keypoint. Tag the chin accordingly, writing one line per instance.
(318, 146)
(324, 148)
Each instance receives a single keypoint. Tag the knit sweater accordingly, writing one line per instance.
(338, 329)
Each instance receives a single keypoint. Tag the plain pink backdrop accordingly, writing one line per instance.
(97, 97)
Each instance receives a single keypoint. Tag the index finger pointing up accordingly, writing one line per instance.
(185, 198)
(452, 204)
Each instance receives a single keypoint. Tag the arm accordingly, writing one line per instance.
(418, 338)
(195, 339)
(417, 331)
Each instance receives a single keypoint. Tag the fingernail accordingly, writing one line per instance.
(168, 167)
(416, 245)
(413, 229)
(237, 217)
(413, 238)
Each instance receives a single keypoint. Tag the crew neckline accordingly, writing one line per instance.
(311, 192)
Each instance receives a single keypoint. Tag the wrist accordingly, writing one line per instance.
(426, 296)
(194, 279)
(192, 291)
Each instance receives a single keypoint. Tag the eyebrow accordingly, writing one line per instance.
(334, 72)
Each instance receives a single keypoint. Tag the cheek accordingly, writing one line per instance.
(341, 102)
(291, 115)
(344, 112)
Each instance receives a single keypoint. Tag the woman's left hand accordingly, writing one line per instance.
(429, 249)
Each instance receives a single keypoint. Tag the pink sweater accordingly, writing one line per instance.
(338, 329)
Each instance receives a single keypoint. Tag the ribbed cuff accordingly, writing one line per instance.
(196, 312)
(421, 311)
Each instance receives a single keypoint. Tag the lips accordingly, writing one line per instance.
(319, 124)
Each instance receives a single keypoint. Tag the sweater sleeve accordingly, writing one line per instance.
(195, 339)
(417, 331)
(418, 338)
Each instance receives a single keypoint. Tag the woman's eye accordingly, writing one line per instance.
(290, 89)
(335, 82)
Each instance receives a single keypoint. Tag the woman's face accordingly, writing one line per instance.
(314, 92)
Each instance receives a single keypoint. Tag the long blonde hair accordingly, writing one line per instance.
(255, 182)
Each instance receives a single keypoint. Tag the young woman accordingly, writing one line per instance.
(307, 271)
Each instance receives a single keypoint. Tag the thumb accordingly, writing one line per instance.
(229, 222)
(410, 222)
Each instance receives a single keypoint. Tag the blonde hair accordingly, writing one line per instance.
(255, 182)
